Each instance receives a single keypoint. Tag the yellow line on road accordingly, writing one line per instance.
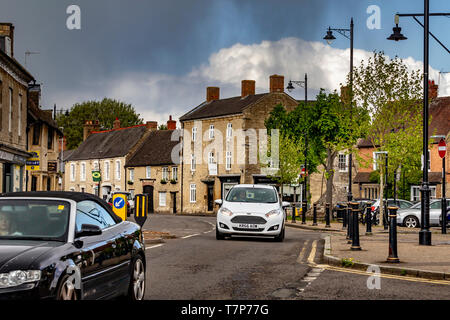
(302, 252)
(382, 275)
(313, 252)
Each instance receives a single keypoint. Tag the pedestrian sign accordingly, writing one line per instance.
(140, 209)
(120, 205)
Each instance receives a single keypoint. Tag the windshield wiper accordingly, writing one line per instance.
(30, 238)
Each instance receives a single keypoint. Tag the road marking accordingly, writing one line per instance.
(191, 235)
(312, 255)
(155, 246)
(302, 252)
(383, 275)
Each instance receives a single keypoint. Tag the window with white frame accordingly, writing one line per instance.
(148, 172)
(228, 161)
(107, 170)
(211, 131)
(117, 171)
(72, 172)
(211, 157)
(416, 196)
(165, 173)
(193, 193)
(342, 162)
(229, 130)
(83, 171)
(194, 133)
(162, 199)
(193, 165)
(132, 175)
(174, 173)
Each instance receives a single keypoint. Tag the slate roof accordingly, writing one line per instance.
(222, 107)
(155, 150)
(108, 144)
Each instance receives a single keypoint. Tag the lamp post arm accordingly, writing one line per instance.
(431, 34)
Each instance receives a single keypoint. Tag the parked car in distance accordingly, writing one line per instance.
(400, 203)
(130, 200)
(68, 246)
(251, 210)
(411, 217)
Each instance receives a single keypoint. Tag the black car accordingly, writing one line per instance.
(68, 246)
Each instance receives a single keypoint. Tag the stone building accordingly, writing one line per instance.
(44, 142)
(14, 80)
(221, 141)
(103, 151)
(152, 171)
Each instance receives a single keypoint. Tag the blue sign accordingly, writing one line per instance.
(119, 203)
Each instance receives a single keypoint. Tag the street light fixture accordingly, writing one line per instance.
(329, 38)
(425, 233)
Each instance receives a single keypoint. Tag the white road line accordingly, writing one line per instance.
(191, 235)
(155, 246)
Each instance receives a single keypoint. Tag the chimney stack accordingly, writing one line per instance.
(7, 38)
(171, 124)
(89, 127)
(34, 95)
(247, 88)
(116, 124)
(276, 83)
(151, 125)
(212, 93)
(432, 90)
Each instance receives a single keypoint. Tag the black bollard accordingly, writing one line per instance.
(355, 226)
(304, 212)
(349, 223)
(393, 258)
(327, 215)
(314, 214)
(293, 213)
(344, 218)
(385, 216)
(368, 221)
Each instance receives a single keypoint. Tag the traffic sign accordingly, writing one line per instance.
(140, 208)
(120, 205)
(442, 148)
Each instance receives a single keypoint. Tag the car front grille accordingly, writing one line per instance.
(249, 219)
(252, 230)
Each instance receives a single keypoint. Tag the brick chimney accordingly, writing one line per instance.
(171, 124)
(116, 124)
(89, 127)
(212, 93)
(7, 38)
(247, 88)
(432, 90)
(152, 125)
(276, 83)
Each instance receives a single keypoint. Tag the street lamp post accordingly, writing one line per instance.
(329, 38)
(290, 87)
(442, 149)
(425, 233)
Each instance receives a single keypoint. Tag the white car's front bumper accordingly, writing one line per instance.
(238, 224)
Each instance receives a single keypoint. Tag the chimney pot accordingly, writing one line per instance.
(89, 127)
(212, 93)
(171, 124)
(432, 90)
(152, 125)
(276, 83)
(247, 88)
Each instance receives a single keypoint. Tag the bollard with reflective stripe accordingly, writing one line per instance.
(140, 208)
(119, 205)
(314, 214)
(304, 212)
(327, 216)
(368, 221)
(393, 257)
(355, 226)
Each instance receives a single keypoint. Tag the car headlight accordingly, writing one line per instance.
(226, 212)
(273, 213)
(18, 277)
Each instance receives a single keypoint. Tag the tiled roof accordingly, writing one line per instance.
(155, 150)
(108, 144)
(222, 107)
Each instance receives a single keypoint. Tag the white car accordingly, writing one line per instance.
(411, 217)
(251, 210)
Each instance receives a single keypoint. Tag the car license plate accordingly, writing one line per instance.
(248, 226)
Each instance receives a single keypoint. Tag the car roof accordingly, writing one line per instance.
(71, 195)
(264, 186)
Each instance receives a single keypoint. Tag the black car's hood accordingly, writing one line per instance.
(20, 254)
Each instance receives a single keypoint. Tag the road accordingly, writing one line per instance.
(195, 266)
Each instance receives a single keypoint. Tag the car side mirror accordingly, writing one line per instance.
(88, 230)
(218, 202)
(285, 204)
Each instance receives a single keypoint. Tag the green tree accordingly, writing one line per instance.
(106, 111)
(392, 95)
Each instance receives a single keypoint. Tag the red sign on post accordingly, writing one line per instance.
(442, 148)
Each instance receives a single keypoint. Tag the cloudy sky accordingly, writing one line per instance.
(161, 55)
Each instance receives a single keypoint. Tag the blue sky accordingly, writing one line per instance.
(160, 55)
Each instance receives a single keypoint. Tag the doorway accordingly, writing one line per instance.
(210, 197)
(149, 191)
(174, 202)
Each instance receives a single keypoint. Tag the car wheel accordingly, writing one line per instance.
(411, 222)
(66, 289)
(219, 235)
(136, 289)
(280, 237)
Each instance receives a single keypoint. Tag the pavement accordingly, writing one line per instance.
(431, 262)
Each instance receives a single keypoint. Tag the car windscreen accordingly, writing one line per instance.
(259, 195)
(33, 219)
